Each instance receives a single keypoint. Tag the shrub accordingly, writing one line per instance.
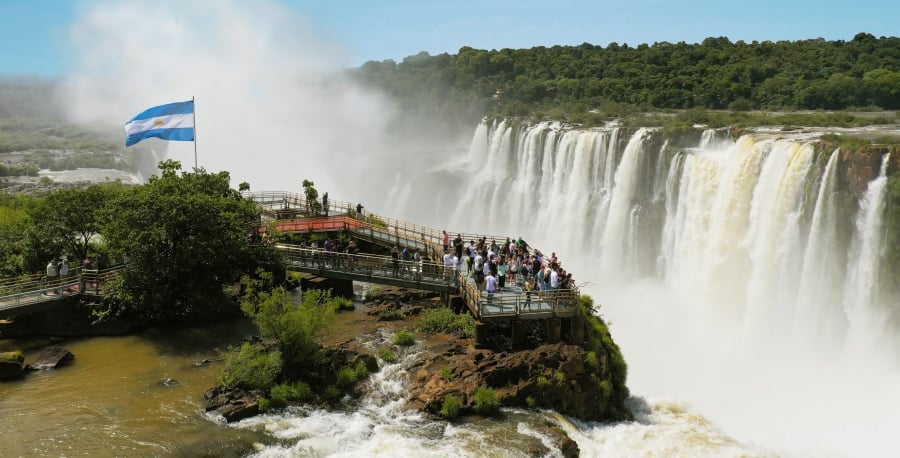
(447, 374)
(264, 405)
(543, 382)
(560, 378)
(444, 320)
(404, 338)
(287, 393)
(591, 360)
(450, 407)
(341, 304)
(350, 375)
(250, 366)
(387, 355)
(530, 402)
(486, 401)
(12, 356)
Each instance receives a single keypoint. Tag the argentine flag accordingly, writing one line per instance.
(173, 121)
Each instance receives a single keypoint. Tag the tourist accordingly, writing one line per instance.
(395, 260)
(52, 272)
(417, 265)
(502, 268)
(325, 203)
(446, 241)
(64, 268)
(554, 279)
(490, 285)
(448, 265)
(359, 210)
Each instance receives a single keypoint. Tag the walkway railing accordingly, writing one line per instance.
(273, 201)
(431, 276)
(32, 289)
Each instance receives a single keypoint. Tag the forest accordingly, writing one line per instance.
(573, 82)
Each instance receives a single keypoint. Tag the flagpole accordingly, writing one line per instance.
(195, 131)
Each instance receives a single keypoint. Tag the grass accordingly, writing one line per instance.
(451, 407)
(387, 355)
(445, 321)
(486, 402)
(404, 338)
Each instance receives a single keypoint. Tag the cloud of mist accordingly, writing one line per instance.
(273, 106)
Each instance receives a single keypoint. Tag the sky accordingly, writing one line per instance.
(35, 35)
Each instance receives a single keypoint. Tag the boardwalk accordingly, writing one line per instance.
(509, 304)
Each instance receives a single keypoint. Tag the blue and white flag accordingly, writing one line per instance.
(173, 121)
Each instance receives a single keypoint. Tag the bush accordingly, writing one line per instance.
(451, 407)
(342, 304)
(543, 382)
(250, 366)
(387, 355)
(404, 338)
(486, 401)
(287, 393)
(444, 320)
(350, 375)
(591, 360)
(447, 374)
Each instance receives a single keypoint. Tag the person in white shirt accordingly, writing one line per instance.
(554, 279)
(490, 285)
(449, 265)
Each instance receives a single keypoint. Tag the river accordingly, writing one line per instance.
(113, 399)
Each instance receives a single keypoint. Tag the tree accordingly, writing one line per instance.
(186, 236)
(312, 198)
(70, 218)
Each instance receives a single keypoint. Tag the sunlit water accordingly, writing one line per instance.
(112, 399)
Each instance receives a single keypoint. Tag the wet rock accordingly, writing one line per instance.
(52, 358)
(12, 365)
(234, 404)
(551, 376)
(168, 382)
(202, 362)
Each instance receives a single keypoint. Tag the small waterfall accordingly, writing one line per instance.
(819, 309)
(860, 292)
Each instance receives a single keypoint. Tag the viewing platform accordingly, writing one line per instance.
(508, 304)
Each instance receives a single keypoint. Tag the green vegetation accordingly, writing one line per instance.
(543, 382)
(387, 355)
(487, 403)
(444, 320)
(559, 377)
(450, 407)
(890, 272)
(404, 338)
(289, 393)
(251, 366)
(186, 236)
(12, 356)
(348, 376)
(588, 83)
(296, 329)
(600, 341)
(446, 374)
(591, 360)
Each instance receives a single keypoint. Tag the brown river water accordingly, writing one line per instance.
(113, 399)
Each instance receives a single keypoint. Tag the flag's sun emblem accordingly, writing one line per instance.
(157, 122)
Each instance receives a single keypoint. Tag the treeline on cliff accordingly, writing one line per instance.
(715, 74)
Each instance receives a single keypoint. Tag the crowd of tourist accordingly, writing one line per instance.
(496, 266)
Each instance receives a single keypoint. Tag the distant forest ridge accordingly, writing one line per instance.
(863, 73)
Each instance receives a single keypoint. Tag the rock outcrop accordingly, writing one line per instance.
(12, 365)
(234, 404)
(553, 376)
(52, 358)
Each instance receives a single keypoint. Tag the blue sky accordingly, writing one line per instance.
(34, 33)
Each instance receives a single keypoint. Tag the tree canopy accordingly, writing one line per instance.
(714, 74)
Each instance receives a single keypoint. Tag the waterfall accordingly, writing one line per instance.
(724, 264)
(860, 292)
